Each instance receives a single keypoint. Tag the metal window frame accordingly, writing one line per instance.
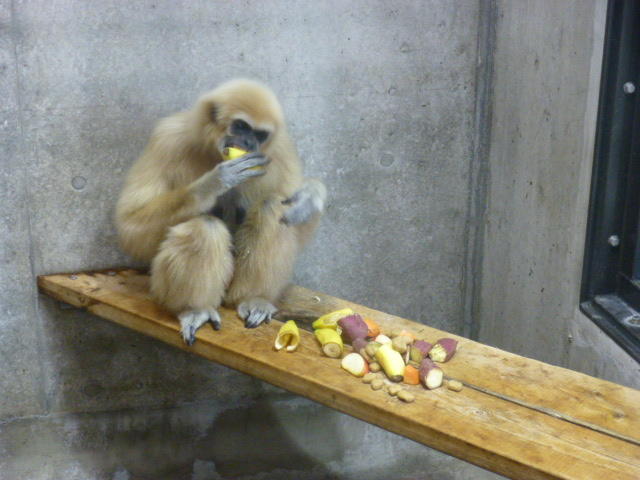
(610, 293)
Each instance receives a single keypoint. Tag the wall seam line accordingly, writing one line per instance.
(479, 171)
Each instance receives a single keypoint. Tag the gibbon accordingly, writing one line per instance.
(219, 231)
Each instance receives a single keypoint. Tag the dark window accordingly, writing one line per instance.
(611, 276)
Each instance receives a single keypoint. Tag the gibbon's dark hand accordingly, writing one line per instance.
(305, 203)
(239, 170)
(225, 176)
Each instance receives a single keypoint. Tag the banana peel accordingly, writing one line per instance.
(288, 336)
(330, 320)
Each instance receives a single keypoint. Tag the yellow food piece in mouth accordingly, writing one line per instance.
(230, 153)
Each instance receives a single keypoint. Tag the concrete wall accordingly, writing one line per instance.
(381, 98)
(547, 65)
(436, 213)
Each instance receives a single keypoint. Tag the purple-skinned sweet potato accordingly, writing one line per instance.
(353, 326)
(431, 375)
(419, 350)
(443, 350)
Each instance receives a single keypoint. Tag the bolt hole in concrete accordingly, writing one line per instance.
(386, 160)
(78, 182)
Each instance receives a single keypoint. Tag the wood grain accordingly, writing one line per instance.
(491, 432)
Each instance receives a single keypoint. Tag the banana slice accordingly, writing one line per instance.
(229, 153)
(288, 336)
(331, 342)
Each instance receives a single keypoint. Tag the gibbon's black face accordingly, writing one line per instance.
(244, 136)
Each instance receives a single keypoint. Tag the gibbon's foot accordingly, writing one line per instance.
(192, 320)
(256, 311)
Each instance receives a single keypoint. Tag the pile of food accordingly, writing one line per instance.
(383, 361)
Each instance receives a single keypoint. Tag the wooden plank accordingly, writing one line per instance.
(491, 432)
(586, 398)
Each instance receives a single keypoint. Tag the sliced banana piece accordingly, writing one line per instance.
(288, 336)
(230, 153)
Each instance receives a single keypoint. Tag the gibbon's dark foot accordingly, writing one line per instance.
(256, 311)
(192, 320)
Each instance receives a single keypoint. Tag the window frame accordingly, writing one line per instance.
(610, 293)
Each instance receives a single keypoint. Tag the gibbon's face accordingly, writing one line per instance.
(243, 133)
(243, 114)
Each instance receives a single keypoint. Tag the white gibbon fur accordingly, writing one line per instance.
(164, 217)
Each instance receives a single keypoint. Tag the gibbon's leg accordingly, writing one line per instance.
(191, 272)
(266, 250)
(267, 245)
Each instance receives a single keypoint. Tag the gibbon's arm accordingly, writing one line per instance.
(147, 206)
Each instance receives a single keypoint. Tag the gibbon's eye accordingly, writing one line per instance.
(261, 135)
(240, 127)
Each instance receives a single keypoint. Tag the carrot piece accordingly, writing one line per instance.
(374, 328)
(411, 375)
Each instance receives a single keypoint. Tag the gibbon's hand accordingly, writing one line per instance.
(239, 170)
(227, 175)
(305, 203)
